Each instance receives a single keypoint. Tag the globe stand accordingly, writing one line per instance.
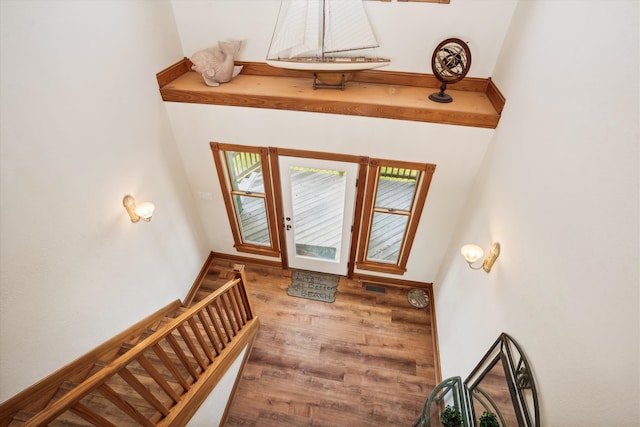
(441, 96)
(450, 63)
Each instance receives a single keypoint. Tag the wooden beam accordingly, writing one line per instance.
(372, 93)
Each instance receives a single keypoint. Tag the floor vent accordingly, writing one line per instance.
(418, 298)
(375, 288)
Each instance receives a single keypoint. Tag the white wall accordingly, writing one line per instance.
(408, 32)
(559, 190)
(212, 409)
(82, 124)
(456, 150)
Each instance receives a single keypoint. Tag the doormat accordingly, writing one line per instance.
(315, 286)
(324, 252)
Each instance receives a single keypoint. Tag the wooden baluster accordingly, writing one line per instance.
(224, 298)
(158, 378)
(239, 272)
(182, 356)
(211, 311)
(210, 334)
(222, 316)
(125, 406)
(241, 304)
(246, 302)
(166, 360)
(191, 346)
(86, 413)
(143, 391)
(196, 331)
(234, 306)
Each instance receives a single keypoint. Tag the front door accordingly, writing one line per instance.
(318, 201)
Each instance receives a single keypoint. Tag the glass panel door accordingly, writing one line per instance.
(318, 201)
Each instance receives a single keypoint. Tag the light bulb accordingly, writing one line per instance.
(145, 210)
(472, 253)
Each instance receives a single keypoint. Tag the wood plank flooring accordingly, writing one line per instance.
(365, 360)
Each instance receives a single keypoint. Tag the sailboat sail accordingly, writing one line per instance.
(298, 31)
(308, 30)
(347, 27)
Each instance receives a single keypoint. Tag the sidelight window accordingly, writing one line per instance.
(246, 187)
(395, 196)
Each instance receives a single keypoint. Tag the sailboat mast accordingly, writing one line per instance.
(324, 29)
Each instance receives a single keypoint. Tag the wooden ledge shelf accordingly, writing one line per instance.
(383, 94)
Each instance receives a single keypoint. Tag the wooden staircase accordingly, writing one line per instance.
(156, 373)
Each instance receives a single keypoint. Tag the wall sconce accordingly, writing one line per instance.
(143, 211)
(472, 253)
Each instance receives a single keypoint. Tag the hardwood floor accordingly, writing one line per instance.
(365, 360)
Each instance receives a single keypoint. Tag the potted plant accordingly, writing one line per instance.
(451, 417)
(489, 419)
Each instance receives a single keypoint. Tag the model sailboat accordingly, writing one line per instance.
(323, 36)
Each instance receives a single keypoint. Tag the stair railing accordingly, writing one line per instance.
(191, 350)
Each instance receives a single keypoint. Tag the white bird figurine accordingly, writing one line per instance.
(216, 63)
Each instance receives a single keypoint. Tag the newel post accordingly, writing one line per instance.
(238, 271)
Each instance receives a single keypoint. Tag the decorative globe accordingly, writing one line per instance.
(450, 62)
